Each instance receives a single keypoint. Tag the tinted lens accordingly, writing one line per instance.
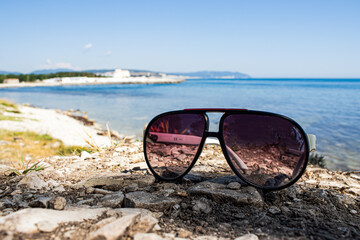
(172, 141)
(269, 151)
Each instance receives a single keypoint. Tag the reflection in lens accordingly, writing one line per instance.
(271, 148)
(172, 142)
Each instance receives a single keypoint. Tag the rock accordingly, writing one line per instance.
(353, 211)
(32, 220)
(120, 212)
(70, 234)
(148, 236)
(101, 191)
(59, 189)
(5, 170)
(205, 238)
(149, 201)
(85, 155)
(16, 192)
(52, 183)
(145, 224)
(90, 190)
(228, 179)
(248, 237)
(105, 221)
(56, 145)
(41, 202)
(234, 186)
(182, 233)
(112, 200)
(57, 203)
(116, 229)
(32, 181)
(219, 193)
(202, 206)
(274, 210)
(45, 226)
(285, 210)
(116, 182)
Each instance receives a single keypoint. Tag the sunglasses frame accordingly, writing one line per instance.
(219, 135)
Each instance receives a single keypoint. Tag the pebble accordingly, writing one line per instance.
(247, 237)
(32, 181)
(148, 236)
(353, 211)
(85, 155)
(57, 203)
(41, 202)
(234, 186)
(274, 210)
(112, 200)
(149, 201)
(182, 233)
(101, 191)
(201, 206)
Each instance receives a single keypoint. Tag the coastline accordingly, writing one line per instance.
(58, 124)
(99, 81)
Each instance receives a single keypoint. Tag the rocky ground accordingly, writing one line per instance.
(110, 194)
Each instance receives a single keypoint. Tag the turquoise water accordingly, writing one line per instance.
(328, 108)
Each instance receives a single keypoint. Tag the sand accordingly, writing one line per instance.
(56, 124)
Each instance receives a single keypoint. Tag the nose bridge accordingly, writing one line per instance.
(212, 134)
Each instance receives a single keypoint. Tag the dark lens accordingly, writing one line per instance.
(172, 141)
(267, 150)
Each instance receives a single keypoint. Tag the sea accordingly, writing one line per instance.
(328, 108)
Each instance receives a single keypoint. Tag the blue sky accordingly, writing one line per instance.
(260, 38)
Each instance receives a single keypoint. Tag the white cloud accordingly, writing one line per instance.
(50, 65)
(88, 46)
(108, 53)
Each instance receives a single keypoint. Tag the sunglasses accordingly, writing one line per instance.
(265, 150)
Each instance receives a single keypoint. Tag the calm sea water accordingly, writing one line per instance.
(328, 108)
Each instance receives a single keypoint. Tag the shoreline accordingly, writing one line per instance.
(70, 128)
(94, 81)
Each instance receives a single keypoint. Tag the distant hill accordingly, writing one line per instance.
(5, 73)
(199, 74)
(212, 74)
(47, 71)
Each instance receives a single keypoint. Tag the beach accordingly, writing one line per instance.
(74, 81)
(58, 124)
(108, 192)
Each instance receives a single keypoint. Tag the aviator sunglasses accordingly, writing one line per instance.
(266, 150)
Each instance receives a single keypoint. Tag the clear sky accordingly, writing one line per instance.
(307, 38)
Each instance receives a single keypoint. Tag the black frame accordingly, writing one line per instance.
(219, 136)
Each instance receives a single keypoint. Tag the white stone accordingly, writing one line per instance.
(247, 237)
(148, 236)
(31, 220)
(32, 181)
(115, 229)
(5, 170)
(85, 155)
(205, 238)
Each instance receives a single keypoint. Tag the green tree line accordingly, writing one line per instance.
(34, 77)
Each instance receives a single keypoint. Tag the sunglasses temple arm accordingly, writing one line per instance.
(236, 158)
(312, 147)
(312, 142)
